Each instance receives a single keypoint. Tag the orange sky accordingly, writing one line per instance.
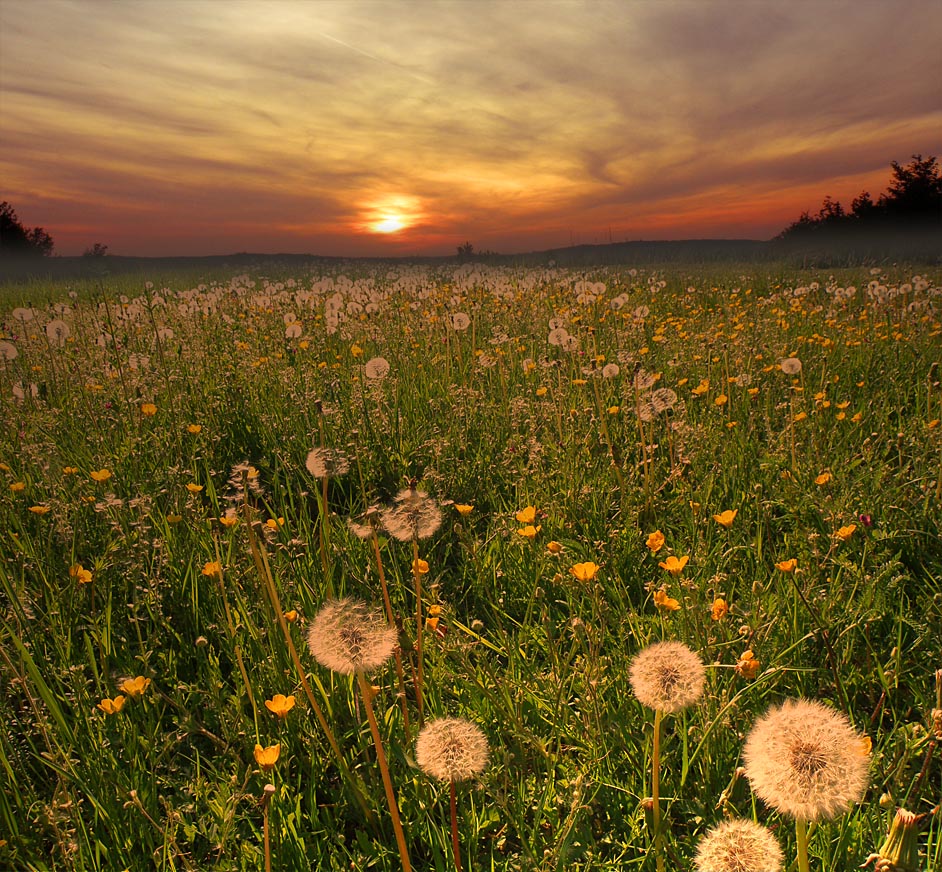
(171, 127)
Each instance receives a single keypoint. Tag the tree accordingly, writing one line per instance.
(916, 189)
(466, 251)
(913, 201)
(17, 240)
(97, 250)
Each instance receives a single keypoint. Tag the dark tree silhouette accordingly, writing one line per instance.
(17, 240)
(97, 250)
(913, 201)
(466, 251)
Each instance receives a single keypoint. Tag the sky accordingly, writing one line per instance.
(399, 127)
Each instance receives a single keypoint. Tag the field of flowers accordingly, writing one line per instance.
(473, 568)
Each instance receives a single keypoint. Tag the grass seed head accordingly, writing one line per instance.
(806, 760)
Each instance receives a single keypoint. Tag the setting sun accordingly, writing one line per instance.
(389, 224)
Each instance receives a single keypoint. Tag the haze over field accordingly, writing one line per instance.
(370, 128)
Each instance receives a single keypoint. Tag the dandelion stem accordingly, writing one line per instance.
(656, 792)
(367, 693)
(390, 616)
(454, 825)
(801, 832)
(418, 629)
(268, 582)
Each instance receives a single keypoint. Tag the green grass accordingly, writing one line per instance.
(538, 659)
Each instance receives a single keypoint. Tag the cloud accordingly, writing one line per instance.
(502, 120)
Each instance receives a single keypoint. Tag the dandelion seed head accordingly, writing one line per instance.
(415, 516)
(376, 369)
(327, 463)
(806, 760)
(738, 846)
(348, 636)
(790, 365)
(667, 677)
(451, 749)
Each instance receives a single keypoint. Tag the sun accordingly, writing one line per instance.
(389, 214)
(389, 224)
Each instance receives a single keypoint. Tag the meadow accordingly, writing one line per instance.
(537, 474)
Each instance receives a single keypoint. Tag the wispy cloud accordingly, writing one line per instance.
(512, 123)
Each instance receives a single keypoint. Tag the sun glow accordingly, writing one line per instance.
(390, 214)
(388, 224)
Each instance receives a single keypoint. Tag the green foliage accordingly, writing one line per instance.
(178, 386)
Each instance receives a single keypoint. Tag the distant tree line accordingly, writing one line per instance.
(19, 241)
(911, 203)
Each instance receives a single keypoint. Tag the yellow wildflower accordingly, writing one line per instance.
(100, 475)
(39, 510)
(787, 565)
(655, 541)
(529, 531)
(719, 609)
(674, 565)
(664, 602)
(464, 509)
(527, 515)
(135, 687)
(80, 574)
(725, 519)
(193, 488)
(823, 478)
(194, 429)
(747, 666)
(111, 706)
(267, 757)
(844, 533)
(554, 547)
(18, 487)
(212, 568)
(280, 704)
(148, 410)
(585, 571)
(420, 566)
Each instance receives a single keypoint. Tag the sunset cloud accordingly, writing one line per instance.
(193, 126)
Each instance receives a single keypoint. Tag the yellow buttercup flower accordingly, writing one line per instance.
(725, 519)
(280, 704)
(664, 602)
(719, 609)
(529, 531)
(674, 565)
(844, 533)
(212, 568)
(787, 565)
(585, 571)
(148, 410)
(111, 706)
(554, 547)
(655, 541)
(420, 566)
(135, 687)
(747, 666)
(267, 757)
(824, 478)
(18, 487)
(464, 509)
(291, 616)
(100, 475)
(39, 510)
(527, 515)
(194, 429)
(193, 488)
(80, 574)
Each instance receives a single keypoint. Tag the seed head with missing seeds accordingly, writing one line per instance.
(347, 636)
